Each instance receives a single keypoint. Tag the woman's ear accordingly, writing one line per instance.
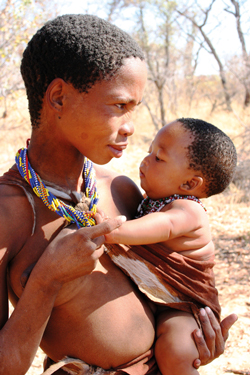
(55, 94)
(192, 185)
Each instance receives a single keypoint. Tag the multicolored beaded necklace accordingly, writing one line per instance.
(81, 218)
(149, 205)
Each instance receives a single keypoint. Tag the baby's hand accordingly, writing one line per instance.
(110, 238)
(100, 216)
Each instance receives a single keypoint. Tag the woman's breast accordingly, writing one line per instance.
(106, 322)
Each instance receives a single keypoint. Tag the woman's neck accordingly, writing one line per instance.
(53, 163)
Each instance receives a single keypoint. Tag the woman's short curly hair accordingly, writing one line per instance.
(212, 153)
(80, 49)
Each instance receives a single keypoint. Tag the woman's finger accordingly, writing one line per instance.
(226, 324)
(105, 227)
(204, 352)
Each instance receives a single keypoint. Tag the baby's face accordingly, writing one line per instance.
(166, 167)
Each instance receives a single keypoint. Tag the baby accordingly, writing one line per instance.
(189, 159)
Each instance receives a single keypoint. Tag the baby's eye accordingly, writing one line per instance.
(157, 159)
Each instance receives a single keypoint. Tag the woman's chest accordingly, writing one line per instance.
(47, 225)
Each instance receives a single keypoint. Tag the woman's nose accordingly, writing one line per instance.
(127, 129)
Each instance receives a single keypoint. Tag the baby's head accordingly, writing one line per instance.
(188, 157)
(80, 49)
(212, 153)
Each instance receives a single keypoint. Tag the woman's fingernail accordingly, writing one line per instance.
(198, 333)
(208, 310)
(202, 312)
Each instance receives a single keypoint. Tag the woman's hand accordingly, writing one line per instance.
(212, 343)
(75, 252)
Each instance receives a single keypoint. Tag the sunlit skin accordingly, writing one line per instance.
(101, 120)
(76, 302)
(88, 317)
(181, 226)
(165, 170)
(96, 124)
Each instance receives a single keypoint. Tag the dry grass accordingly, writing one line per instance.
(229, 217)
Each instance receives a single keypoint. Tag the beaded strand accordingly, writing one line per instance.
(149, 205)
(81, 218)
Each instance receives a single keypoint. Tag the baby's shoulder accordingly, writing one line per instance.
(122, 189)
(192, 211)
(189, 204)
(118, 181)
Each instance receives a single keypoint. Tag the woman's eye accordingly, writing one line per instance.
(157, 159)
(121, 105)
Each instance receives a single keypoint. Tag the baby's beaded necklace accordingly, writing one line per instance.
(81, 218)
(149, 205)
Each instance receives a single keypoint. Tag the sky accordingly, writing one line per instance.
(225, 38)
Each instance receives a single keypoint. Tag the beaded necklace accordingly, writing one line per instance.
(149, 205)
(81, 218)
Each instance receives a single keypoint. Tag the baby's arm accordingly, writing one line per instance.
(178, 219)
(145, 230)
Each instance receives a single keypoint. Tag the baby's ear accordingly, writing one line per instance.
(192, 185)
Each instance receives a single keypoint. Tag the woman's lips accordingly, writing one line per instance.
(117, 150)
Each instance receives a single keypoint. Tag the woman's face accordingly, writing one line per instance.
(98, 123)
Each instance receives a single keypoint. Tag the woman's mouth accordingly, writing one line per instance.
(117, 150)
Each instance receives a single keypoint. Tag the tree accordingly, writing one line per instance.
(172, 35)
(191, 16)
(19, 19)
(158, 57)
(164, 54)
(245, 76)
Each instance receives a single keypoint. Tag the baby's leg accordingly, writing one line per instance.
(175, 349)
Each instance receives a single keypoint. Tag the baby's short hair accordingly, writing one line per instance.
(212, 152)
(80, 49)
